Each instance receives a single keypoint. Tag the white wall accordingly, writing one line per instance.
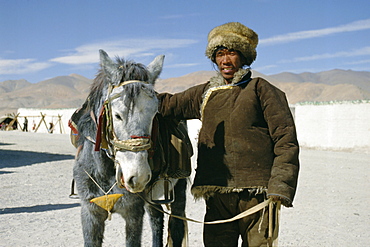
(324, 125)
(51, 115)
(193, 130)
(334, 125)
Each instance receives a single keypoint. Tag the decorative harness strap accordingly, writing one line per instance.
(106, 138)
(136, 144)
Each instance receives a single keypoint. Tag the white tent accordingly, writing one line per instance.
(9, 122)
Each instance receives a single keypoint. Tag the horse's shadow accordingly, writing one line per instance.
(38, 208)
(19, 158)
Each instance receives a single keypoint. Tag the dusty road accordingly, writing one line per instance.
(331, 206)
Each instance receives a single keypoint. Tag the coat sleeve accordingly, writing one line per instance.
(184, 105)
(285, 168)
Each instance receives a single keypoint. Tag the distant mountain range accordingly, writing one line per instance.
(70, 91)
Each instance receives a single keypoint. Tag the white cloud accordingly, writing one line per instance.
(182, 65)
(289, 37)
(21, 66)
(365, 51)
(87, 54)
(266, 67)
(367, 61)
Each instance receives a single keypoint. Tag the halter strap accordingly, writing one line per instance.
(136, 144)
(129, 82)
(115, 96)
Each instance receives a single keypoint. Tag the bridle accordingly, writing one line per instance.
(107, 140)
(106, 137)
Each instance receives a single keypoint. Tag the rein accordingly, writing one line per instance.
(241, 215)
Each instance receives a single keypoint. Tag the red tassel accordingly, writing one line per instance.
(99, 130)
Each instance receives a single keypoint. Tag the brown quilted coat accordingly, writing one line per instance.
(247, 140)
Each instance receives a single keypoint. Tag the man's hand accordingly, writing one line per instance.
(284, 201)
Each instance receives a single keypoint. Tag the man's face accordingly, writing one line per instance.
(228, 62)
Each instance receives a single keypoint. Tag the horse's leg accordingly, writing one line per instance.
(156, 223)
(134, 223)
(93, 224)
(177, 226)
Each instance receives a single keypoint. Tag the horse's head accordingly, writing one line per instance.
(130, 107)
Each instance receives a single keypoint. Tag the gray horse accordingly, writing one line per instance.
(113, 152)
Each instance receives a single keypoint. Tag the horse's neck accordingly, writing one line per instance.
(98, 162)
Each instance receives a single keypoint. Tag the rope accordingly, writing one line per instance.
(105, 193)
(243, 214)
(246, 213)
(135, 145)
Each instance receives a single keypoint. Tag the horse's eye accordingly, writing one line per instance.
(118, 117)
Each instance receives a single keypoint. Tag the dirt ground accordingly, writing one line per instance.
(331, 207)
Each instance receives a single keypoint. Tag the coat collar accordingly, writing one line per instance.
(218, 80)
(242, 76)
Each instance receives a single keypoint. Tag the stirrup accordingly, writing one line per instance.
(73, 195)
(162, 192)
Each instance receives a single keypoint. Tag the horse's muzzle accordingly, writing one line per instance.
(133, 184)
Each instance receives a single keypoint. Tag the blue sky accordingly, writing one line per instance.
(43, 39)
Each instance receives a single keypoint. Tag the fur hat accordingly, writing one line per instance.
(233, 35)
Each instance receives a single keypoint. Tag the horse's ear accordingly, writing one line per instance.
(155, 68)
(110, 68)
(105, 60)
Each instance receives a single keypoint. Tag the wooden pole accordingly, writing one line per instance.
(42, 119)
(60, 124)
(12, 122)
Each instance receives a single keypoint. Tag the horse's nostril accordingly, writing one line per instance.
(132, 181)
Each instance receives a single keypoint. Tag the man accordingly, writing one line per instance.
(247, 146)
(25, 125)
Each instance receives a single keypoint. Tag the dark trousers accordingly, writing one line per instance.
(253, 229)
